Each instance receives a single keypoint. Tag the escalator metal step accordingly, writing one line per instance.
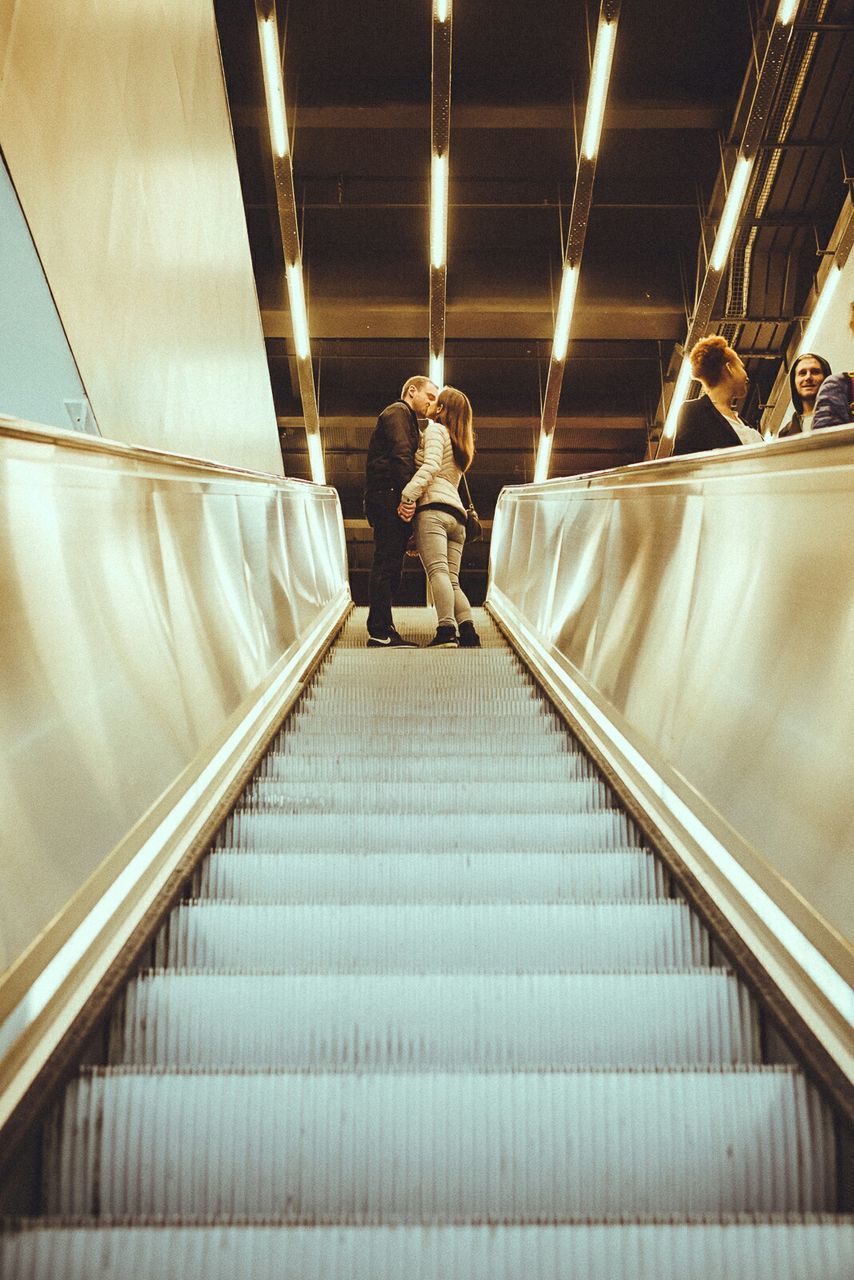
(461, 1148)
(444, 1022)
(585, 795)
(816, 1248)
(495, 938)
(476, 832)
(456, 741)
(489, 766)
(429, 877)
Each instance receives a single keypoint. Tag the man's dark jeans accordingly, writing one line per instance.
(391, 535)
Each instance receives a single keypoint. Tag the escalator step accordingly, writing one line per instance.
(443, 1022)
(457, 742)
(585, 795)
(399, 833)
(814, 1249)
(498, 938)
(489, 766)
(463, 1148)
(429, 877)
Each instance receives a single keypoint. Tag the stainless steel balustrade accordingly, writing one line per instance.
(695, 615)
(157, 612)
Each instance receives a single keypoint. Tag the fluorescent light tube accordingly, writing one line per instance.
(680, 391)
(437, 369)
(439, 211)
(544, 453)
(786, 12)
(820, 309)
(315, 457)
(274, 87)
(599, 78)
(729, 217)
(442, 10)
(568, 286)
(299, 319)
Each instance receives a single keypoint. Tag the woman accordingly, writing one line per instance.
(712, 421)
(445, 452)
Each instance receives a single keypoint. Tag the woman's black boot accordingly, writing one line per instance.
(445, 637)
(469, 639)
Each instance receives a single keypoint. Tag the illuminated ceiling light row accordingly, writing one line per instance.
(600, 75)
(680, 391)
(769, 75)
(440, 131)
(603, 56)
(819, 311)
(274, 88)
(593, 119)
(731, 212)
(786, 12)
(439, 211)
(565, 306)
(286, 205)
(544, 454)
(299, 318)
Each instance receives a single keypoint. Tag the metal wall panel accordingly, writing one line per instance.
(143, 599)
(707, 604)
(115, 129)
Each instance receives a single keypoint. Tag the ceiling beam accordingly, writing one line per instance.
(581, 422)
(404, 115)
(485, 319)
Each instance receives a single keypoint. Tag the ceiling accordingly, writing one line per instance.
(357, 86)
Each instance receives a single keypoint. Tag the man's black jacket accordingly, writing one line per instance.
(391, 451)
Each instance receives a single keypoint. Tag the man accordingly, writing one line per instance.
(391, 464)
(805, 377)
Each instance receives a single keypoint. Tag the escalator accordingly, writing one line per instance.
(433, 1008)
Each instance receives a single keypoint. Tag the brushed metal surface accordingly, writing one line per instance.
(115, 129)
(144, 598)
(708, 603)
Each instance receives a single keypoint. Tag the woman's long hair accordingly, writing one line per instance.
(457, 417)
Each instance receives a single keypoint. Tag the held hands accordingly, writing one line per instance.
(406, 510)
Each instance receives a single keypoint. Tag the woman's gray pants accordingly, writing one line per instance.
(440, 538)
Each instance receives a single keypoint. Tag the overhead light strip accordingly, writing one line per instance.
(773, 64)
(273, 87)
(594, 115)
(565, 306)
(819, 311)
(599, 78)
(440, 138)
(299, 317)
(439, 211)
(544, 453)
(786, 12)
(731, 212)
(265, 13)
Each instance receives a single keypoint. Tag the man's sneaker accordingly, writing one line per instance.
(469, 639)
(445, 638)
(391, 640)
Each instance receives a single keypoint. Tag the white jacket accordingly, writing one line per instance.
(438, 476)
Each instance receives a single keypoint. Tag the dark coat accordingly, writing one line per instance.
(834, 404)
(701, 426)
(391, 449)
